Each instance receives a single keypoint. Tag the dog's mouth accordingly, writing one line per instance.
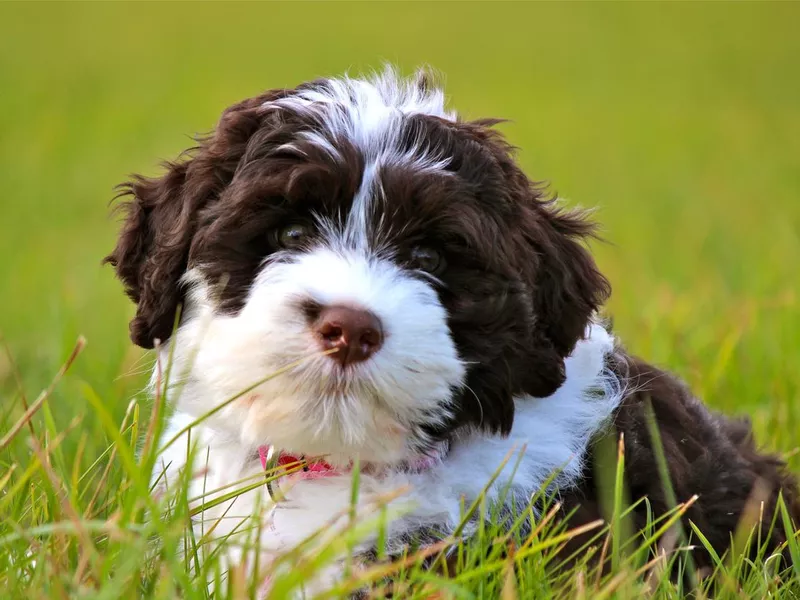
(333, 382)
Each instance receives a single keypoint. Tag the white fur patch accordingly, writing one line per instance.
(553, 432)
(366, 111)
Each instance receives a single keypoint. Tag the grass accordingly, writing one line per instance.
(680, 122)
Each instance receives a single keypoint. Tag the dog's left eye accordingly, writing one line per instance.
(293, 236)
(427, 259)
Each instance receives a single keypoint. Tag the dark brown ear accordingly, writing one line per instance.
(563, 281)
(152, 250)
(566, 286)
(569, 288)
(162, 215)
(559, 278)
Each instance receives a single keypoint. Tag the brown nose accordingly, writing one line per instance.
(356, 334)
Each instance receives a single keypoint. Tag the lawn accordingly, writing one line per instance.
(680, 123)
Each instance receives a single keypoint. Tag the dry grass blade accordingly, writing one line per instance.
(541, 525)
(751, 517)
(378, 572)
(580, 585)
(509, 591)
(603, 555)
(658, 565)
(8, 497)
(611, 586)
(37, 404)
(5, 478)
(87, 545)
(17, 379)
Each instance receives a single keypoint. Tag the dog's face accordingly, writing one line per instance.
(357, 228)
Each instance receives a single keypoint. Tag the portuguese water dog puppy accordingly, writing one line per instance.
(373, 278)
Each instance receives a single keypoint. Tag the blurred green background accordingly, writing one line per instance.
(680, 122)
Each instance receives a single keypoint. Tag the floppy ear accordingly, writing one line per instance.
(162, 215)
(152, 250)
(560, 275)
(566, 287)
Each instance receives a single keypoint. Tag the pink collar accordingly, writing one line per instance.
(311, 469)
(317, 469)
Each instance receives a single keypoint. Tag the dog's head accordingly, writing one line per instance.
(361, 218)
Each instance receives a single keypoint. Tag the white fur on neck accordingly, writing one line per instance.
(553, 432)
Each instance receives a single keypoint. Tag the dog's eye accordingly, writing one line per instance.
(293, 236)
(427, 259)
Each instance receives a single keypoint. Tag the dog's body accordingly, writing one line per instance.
(428, 312)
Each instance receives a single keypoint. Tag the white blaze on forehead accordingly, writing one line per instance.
(357, 228)
(369, 114)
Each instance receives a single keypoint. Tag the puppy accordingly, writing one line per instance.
(367, 278)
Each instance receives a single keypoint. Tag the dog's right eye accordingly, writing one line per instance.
(293, 236)
(427, 259)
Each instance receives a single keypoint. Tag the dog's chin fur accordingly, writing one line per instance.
(486, 299)
(549, 437)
